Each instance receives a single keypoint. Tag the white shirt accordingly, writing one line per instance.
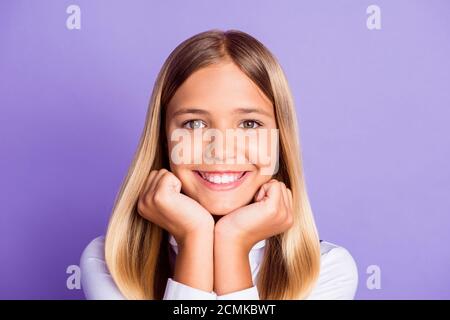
(338, 278)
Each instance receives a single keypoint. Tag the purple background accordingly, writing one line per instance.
(373, 109)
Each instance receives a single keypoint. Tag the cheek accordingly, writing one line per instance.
(264, 153)
(188, 182)
(263, 178)
(180, 173)
(185, 148)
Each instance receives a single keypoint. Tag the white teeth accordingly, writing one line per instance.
(221, 178)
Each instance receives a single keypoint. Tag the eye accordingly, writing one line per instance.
(193, 124)
(250, 124)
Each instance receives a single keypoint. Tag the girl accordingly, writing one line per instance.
(216, 229)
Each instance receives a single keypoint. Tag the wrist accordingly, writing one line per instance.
(194, 264)
(232, 270)
(202, 238)
(229, 243)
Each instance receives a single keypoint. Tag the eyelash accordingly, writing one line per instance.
(255, 121)
(191, 121)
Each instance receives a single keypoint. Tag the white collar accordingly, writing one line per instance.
(258, 245)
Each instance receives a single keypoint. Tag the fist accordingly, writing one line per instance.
(162, 203)
(271, 213)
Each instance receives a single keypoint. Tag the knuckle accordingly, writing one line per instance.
(141, 206)
(152, 175)
(142, 199)
(272, 209)
(157, 197)
(277, 186)
(166, 175)
(290, 220)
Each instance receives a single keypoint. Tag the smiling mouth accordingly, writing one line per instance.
(221, 177)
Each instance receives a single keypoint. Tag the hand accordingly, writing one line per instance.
(270, 214)
(162, 203)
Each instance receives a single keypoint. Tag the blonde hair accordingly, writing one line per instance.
(136, 250)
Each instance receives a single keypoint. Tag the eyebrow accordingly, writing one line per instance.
(240, 110)
(189, 110)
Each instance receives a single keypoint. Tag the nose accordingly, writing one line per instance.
(218, 150)
(222, 147)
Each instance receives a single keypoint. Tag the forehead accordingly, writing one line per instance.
(218, 88)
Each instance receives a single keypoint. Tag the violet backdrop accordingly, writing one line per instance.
(373, 108)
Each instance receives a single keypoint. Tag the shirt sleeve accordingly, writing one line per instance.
(245, 294)
(338, 277)
(98, 284)
(96, 281)
(179, 291)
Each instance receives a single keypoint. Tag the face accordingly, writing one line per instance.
(220, 97)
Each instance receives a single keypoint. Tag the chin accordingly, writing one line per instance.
(220, 210)
(221, 205)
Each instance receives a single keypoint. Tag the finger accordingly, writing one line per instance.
(287, 209)
(260, 194)
(156, 179)
(151, 179)
(273, 190)
(148, 182)
(291, 203)
(285, 195)
(169, 181)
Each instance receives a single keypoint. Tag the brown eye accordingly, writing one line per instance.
(193, 124)
(250, 124)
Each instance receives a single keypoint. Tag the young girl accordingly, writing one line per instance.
(216, 229)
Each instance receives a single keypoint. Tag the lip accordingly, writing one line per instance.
(222, 186)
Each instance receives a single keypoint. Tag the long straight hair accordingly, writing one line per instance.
(136, 249)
